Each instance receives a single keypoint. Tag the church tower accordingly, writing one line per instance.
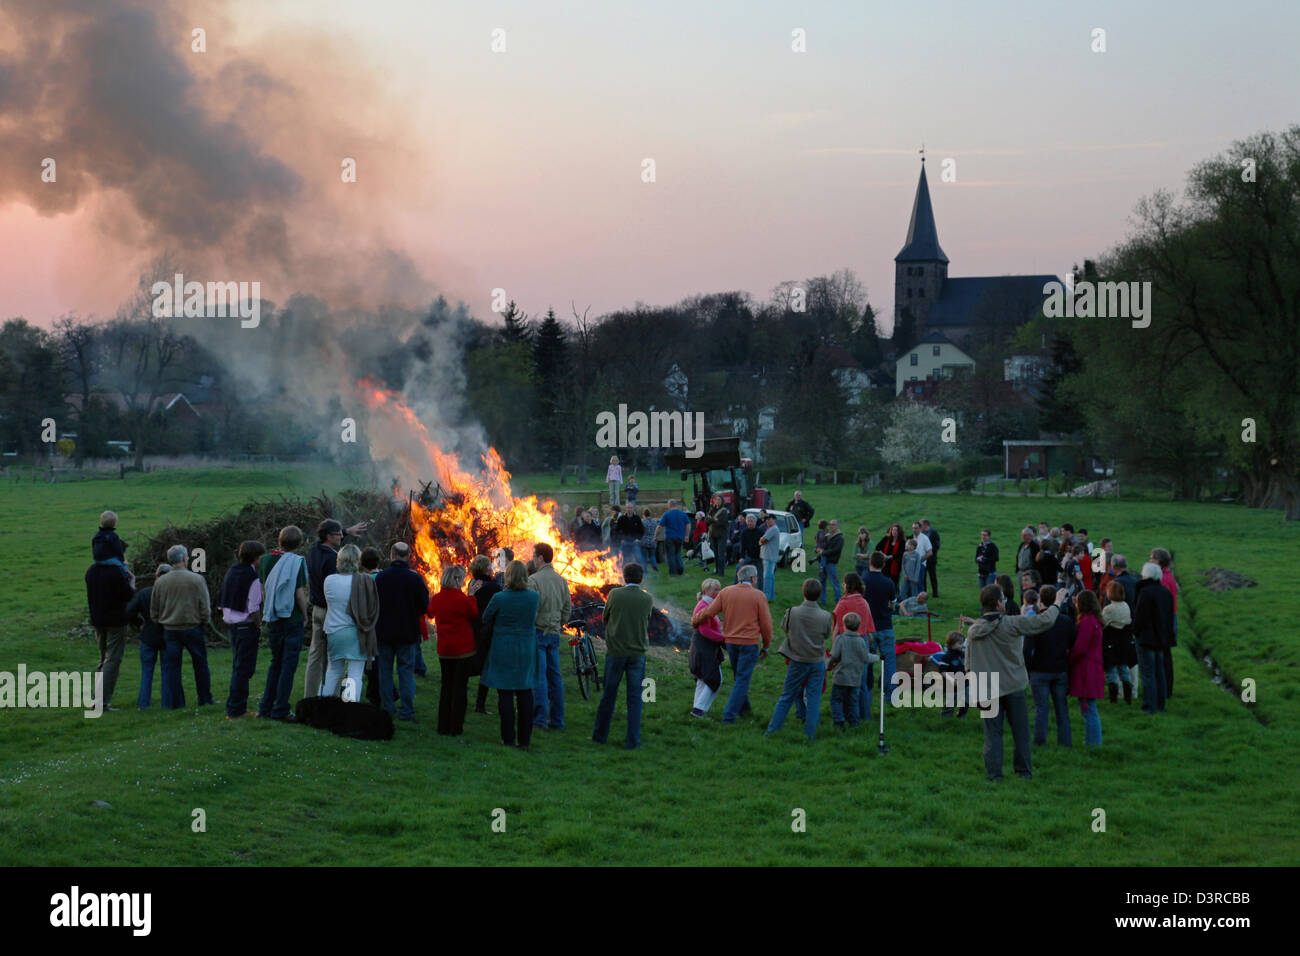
(921, 268)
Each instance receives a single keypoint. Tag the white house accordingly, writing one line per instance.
(933, 359)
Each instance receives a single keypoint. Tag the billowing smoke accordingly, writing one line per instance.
(225, 165)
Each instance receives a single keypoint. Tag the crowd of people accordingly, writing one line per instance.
(1079, 625)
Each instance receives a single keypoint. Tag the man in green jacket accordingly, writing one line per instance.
(627, 638)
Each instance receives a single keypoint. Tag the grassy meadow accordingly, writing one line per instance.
(1208, 784)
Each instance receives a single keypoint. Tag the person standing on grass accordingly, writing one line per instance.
(180, 603)
(913, 571)
(986, 559)
(1119, 564)
(511, 666)
(108, 592)
(403, 602)
(1003, 581)
(801, 510)
(719, 521)
(862, 553)
(1163, 558)
(834, 548)
(1047, 658)
(649, 550)
(351, 611)
(924, 549)
(240, 602)
(850, 663)
(1118, 652)
(614, 478)
(706, 653)
(1026, 555)
(455, 616)
(892, 547)
(770, 552)
(855, 602)
(746, 621)
(630, 529)
(555, 607)
(1152, 623)
(807, 629)
(151, 638)
(286, 604)
(1087, 676)
(751, 549)
(321, 563)
(630, 492)
(880, 595)
(675, 523)
(932, 559)
(995, 655)
(627, 639)
(482, 586)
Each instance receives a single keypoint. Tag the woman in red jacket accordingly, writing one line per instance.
(455, 616)
(892, 547)
(1087, 676)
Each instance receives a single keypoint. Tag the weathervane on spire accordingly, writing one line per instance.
(922, 152)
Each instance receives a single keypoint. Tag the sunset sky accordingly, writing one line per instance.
(522, 170)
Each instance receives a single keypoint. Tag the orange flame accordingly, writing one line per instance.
(478, 513)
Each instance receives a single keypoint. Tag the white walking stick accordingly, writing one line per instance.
(883, 749)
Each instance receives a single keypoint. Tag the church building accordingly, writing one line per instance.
(967, 311)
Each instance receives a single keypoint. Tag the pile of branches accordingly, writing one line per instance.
(262, 519)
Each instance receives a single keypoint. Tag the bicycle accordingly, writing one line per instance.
(584, 658)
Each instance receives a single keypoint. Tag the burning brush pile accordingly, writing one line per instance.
(446, 521)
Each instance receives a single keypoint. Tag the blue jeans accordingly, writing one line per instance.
(800, 677)
(1118, 673)
(148, 658)
(631, 553)
(1151, 668)
(243, 650)
(674, 548)
(743, 659)
(404, 656)
(987, 579)
(285, 639)
(769, 579)
(1051, 688)
(649, 556)
(833, 576)
(548, 693)
(883, 642)
(173, 694)
(844, 704)
(419, 668)
(1091, 723)
(616, 668)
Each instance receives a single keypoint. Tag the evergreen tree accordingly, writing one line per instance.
(517, 327)
(550, 368)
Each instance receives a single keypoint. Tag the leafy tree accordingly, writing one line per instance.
(914, 435)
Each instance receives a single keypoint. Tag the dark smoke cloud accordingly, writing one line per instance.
(225, 166)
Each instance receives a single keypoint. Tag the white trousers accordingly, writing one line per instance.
(704, 696)
(345, 673)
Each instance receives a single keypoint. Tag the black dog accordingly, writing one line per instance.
(362, 721)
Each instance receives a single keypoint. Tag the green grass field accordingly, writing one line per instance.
(1208, 784)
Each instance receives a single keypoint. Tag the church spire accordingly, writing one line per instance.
(922, 236)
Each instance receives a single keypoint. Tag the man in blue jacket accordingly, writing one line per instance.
(676, 523)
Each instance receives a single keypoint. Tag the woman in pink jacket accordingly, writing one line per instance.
(1087, 676)
(706, 652)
